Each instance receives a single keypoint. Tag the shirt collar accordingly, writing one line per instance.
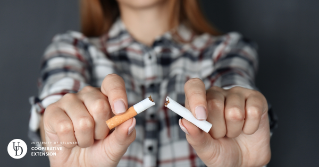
(118, 37)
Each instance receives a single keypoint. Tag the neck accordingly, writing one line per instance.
(146, 24)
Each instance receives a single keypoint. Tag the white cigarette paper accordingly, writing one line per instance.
(143, 105)
(185, 113)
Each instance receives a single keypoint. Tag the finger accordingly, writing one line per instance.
(116, 144)
(254, 110)
(83, 122)
(113, 87)
(187, 104)
(234, 114)
(58, 127)
(215, 106)
(99, 108)
(195, 93)
(202, 142)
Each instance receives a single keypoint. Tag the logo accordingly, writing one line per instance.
(17, 148)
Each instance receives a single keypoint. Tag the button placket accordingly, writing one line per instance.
(151, 126)
(150, 65)
(150, 146)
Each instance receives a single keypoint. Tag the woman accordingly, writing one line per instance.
(132, 49)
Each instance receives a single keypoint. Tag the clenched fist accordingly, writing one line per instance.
(80, 118)
(240, 135)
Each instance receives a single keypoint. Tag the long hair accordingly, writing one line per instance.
(97, 16)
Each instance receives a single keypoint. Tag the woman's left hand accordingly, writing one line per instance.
(240, 134)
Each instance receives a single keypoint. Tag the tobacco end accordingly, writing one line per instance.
(151, 98)
(166, 102)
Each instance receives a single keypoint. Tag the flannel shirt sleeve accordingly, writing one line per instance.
(65, 68)
(235, 62)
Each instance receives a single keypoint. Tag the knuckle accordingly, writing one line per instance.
(234, 89)
(238, 90)
(100, 107)
(65, 127)
(234, 114)
(85, 123)
(88, 89)
(255, 92)
(69, 97)
(50, 108)
(216, 104)
(216, 88)
(254, 112)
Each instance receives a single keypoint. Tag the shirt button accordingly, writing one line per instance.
(150, 148)
(152, 86)
(152, 116)
(150, 57)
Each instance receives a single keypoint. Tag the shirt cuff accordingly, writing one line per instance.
(230, 80)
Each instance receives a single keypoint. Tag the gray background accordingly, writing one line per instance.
(285, 30)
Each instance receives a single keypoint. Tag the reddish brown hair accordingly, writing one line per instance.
(97, 16)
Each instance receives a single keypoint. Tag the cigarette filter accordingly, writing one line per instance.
(185, 113)
(131, 112)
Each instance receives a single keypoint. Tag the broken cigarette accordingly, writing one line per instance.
(185, 113)
(130, 113)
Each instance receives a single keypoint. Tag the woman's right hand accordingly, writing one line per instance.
(80, 119)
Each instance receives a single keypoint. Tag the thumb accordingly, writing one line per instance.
(205, 146)
(116, 144)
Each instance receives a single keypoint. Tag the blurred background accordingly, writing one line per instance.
(287, 32)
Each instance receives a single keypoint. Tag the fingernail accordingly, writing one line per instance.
(119, 107)
(182, 126)
(200, 113)
(131, 128)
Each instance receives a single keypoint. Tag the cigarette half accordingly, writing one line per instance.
(185, 113)
(130, 113)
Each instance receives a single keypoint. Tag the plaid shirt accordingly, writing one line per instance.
(73, 61)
